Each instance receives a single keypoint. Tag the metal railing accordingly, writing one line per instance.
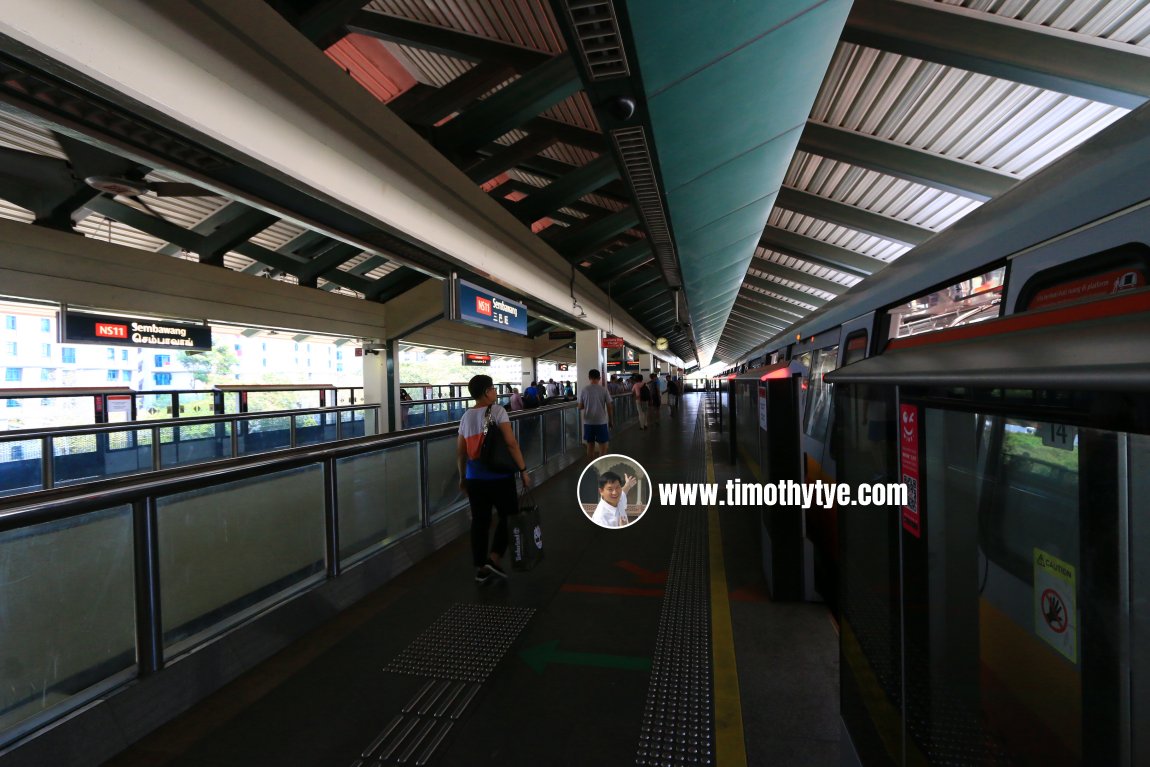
(37, 459)
(109, 582)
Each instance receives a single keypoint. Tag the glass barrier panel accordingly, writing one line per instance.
(443, 495)
(20, 466)
(150, 407)
(530, 441)
(379, 498)
(553, 434)
(571, 427)
(357, 423)
(196, 443)
(68, 607)
(196, 404)
(89, 457)
(258, 435)
(231, 549)
(313, 428)
(266, 401)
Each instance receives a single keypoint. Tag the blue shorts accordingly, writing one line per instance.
(596, 432)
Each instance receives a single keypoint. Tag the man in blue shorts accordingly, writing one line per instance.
(598, 415)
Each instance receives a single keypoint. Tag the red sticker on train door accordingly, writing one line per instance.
(908, 462)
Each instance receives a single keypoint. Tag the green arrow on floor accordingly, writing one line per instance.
(539, 656)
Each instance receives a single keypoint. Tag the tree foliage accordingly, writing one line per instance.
(212, 367)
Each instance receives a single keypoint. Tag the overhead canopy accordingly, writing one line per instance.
(728, 95)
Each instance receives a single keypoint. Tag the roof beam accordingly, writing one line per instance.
(524, 149)
(851, 217)
(334, 255)
(324, 23)
(395, 284)
(784, 291)
(819, 253)
(776, 305)
(620, 262)
(748, 325)
(1065, 62)
(956, 176)
(590, 237)
(531, 94)
(763, 312)
(233, 234)
(795, 275)
(427, 106)
(567, 189)
(446, 41)
(573, 135)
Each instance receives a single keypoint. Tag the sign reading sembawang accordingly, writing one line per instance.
(84, 328)
(480, 306)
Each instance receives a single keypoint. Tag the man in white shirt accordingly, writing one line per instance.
(612, 508)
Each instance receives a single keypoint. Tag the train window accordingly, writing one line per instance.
(818, 410)
(1098, 275)
(856, 347)
(974, 299)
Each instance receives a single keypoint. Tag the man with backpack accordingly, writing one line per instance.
(531, 396)
(655, 401)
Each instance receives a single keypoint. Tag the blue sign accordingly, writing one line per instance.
(482, 307)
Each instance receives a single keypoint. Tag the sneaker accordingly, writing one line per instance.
(482, 575)
(494, 569)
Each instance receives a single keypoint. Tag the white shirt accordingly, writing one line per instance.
(611, 516)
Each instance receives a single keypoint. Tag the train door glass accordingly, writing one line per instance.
(818, 411)
(1012, 592)
(870, 665)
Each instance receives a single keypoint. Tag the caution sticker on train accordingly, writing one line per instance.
(1055, 604)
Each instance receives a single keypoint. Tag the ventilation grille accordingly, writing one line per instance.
(631, 144)
(597, 32)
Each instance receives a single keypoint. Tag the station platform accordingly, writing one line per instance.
(654, 644)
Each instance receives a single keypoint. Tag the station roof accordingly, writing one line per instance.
(774, 158)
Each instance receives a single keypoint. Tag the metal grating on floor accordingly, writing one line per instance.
(464, 643)
(678, 721)
(458, 652)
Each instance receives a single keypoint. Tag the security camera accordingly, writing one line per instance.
(622, 108)
(677, 329)
(373, 348)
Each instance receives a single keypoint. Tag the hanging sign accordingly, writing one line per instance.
(612, 342)
(480, 306)
(561, 335)
(472, 359)
(562, 367)
(84, 328)
(908, 461)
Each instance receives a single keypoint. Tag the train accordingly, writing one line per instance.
(1001, 373)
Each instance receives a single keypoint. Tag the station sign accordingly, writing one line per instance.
(472, 359)
(612, 342)
(479, 306)
(84, 328)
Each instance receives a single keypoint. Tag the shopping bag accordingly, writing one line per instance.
(526, 537)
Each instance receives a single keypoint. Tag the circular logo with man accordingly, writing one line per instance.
(614, 491)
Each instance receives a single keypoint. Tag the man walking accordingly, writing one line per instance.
(598, 415)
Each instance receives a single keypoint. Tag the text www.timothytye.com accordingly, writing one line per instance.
(817, 494)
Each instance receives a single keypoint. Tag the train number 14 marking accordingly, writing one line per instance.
(1059, 435)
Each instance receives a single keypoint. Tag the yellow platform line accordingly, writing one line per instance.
(730, 746)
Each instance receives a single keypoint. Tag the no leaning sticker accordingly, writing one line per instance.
(1055, 605)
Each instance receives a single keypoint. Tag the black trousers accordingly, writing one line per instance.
(483, 494)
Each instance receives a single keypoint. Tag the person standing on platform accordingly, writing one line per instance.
(673, 393)
(516, 401)
(655, 401)
(642, 398)
(663, 398)
(598, 415)
(484, 488)
(568, 392)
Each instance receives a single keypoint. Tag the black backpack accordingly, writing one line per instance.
(644, 394)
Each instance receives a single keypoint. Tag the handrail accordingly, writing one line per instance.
(170, 423)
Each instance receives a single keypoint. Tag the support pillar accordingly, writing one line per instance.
(589, 353)
(528, 373)
(646, 365)
(375, 384)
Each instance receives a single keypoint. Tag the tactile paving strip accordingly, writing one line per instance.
(678, 720)
(458, 652)
(464, 643)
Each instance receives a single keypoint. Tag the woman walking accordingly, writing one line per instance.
(485, 488)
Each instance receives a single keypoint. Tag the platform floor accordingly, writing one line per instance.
(600, 656)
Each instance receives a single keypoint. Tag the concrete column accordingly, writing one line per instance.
(646, 364)
(528, 373)
(588, 353)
